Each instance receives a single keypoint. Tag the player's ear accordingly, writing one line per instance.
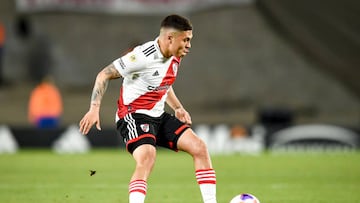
(170, 38)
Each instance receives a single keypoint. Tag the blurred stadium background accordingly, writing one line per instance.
(255, 66)
(267, 81)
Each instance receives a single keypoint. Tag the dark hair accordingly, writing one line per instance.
(178, 22)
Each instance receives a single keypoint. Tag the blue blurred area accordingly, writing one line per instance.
(48, 122)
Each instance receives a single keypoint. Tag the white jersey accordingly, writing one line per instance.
(148, 75)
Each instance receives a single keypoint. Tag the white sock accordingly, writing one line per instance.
(137, 191)
(206, 179)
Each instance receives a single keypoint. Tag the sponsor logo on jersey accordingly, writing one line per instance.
(159, 88)
(156, 73)
(145, 127)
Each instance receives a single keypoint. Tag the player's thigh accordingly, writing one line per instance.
(191, 143)
(145, 155)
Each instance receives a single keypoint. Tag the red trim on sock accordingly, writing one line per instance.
(200, 170)
(141, 191)
(139, 180)
(138, 186)
(205, 176)
(207, 182)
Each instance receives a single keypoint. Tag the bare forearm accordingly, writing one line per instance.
(99, 90)
(178, 108)
(172, 100)
(101, 84)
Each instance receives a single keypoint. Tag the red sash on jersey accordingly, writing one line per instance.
(148, 100)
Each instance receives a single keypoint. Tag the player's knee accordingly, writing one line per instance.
(193, 145)
(200, 149)
(147, 161)
(145, 156)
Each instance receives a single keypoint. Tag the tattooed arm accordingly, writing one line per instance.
(101, 83)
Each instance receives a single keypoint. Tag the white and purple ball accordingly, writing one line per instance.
(244, 198)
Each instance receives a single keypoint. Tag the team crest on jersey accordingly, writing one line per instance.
(145, 127)
(175, 68)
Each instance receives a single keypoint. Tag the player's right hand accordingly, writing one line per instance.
(89, 119)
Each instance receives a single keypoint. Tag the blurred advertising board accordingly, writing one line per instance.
(122, 6)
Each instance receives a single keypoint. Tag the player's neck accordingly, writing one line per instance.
(164, 51)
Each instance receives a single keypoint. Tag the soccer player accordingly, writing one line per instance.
(148, 72)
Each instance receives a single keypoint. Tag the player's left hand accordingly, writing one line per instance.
(183, 115)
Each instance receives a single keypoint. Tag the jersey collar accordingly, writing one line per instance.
(158, 47)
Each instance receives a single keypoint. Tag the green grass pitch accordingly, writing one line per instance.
(39, 176)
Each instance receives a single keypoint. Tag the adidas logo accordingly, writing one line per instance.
(156, 73)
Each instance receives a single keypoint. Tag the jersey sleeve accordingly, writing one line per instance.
(131, 62)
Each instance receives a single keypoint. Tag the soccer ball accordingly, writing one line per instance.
(244, 198)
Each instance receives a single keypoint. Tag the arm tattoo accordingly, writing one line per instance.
(101, 84)
(111, 72)
(98, 91)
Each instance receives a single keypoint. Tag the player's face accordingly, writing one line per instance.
(180, 44)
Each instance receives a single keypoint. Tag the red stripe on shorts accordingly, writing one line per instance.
(180, 130)
(139, 138)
